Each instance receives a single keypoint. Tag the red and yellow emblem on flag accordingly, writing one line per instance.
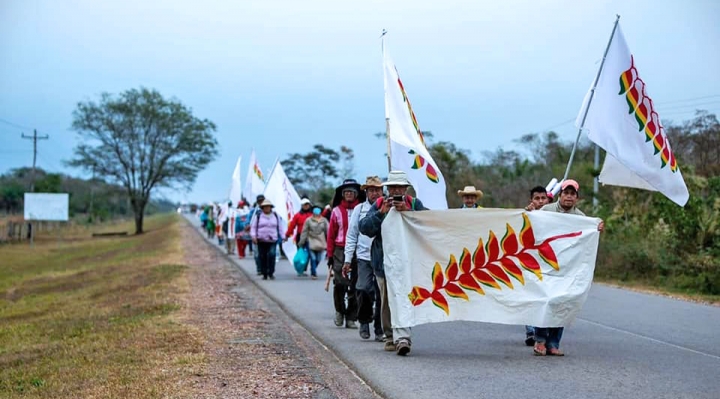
(647, 119)
(258, 172)
(419, 162)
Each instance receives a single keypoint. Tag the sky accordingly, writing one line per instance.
(280, 76)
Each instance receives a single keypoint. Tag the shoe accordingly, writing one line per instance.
(389, 345)
(379, 337)
(314, 277)
(259, 273)
(539, 349)
(530, 340)
(555, 352)
(350, 324)
(272, 277)
(364, 331)
(264, 277)
(339, 318)
(402, 348)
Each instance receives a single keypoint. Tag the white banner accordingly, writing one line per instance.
(408, 152)
(622, 120)
(493, 265)
(235, 194)
(46, 207)
(255, 181)
(280, 191)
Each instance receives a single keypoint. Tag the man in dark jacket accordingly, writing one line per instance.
(396, 339)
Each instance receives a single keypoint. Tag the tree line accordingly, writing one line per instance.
(648, 238)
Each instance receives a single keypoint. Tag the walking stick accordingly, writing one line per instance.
(327, 280)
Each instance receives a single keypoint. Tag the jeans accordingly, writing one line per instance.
(315, 258)
(529, 330)
(266, 255)
(549, 336)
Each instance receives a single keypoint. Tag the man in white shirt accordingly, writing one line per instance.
(357, 244)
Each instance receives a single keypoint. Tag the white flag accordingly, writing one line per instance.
(622, 120)
(407, 145)
(280, 191)
(496, 266)
(235, 194)
(255, 181)
(232, 215)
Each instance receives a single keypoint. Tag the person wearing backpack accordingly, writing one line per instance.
(265, 232)
(314, 238)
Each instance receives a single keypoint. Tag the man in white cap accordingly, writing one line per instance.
(396, 339)
(547, 339)
(470, 197)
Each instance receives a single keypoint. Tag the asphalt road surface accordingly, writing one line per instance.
(623, 345)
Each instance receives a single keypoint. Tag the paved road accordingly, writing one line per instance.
(623, 345)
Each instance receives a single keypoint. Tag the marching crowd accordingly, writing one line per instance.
(347, 235)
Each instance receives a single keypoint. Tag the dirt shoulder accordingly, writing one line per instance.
(252, 348)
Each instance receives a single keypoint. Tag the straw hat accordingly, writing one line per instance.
(371, 181)
(266, 203)
(397, 178)
(470, 190)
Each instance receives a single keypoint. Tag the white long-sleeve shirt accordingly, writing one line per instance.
(354, 241)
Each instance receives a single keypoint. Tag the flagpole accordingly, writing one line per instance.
(592, 93)
(387, 119)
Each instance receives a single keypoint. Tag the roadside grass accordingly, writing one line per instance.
(96, 317)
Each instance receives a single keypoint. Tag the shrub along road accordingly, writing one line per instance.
(624, 344)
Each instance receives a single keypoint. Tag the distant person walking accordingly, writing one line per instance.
(265, 231)
(314, 238)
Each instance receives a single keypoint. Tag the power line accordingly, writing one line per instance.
(7, 122)
(689, 99)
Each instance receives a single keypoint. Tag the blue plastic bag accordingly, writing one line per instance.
(302, 257)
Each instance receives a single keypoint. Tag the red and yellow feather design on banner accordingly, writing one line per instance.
(647, 119)
(419, 162)
(495, 264)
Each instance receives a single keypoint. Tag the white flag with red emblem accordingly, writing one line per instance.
(622, 120)
(280, 191)
(255, 181)
(408, 152)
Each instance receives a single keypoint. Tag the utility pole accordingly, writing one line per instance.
(34, 138)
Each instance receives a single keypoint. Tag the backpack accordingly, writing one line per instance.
(277, 218)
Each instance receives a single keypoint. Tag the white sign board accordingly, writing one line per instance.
(48, 207)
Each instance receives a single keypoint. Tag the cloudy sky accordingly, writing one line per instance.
(283, 75)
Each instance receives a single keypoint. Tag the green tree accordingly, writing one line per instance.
(143, 141)
(314, 173)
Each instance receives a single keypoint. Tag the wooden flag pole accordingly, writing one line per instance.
(592, 93)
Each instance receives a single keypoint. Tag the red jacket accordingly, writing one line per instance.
(339, 220)
(297, 221)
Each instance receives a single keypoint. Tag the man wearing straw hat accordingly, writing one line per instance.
(396, 339)
(358, 245)
(470, 197)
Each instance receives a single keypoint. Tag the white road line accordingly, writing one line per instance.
(648, 338)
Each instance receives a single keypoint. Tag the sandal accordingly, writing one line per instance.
(539, 349)
(555, 352)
